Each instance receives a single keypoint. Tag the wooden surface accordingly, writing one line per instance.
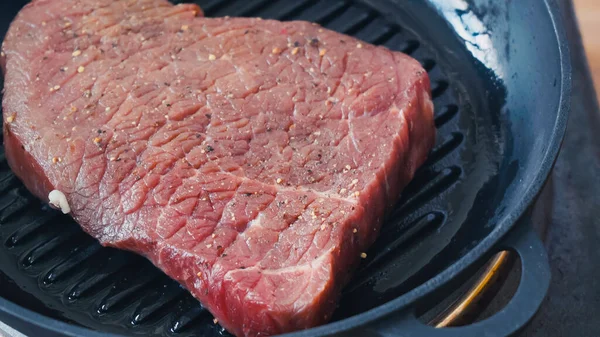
(588, 15)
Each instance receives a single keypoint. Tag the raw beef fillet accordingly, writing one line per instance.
(251, 160)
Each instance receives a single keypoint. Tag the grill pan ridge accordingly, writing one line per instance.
(75, 280)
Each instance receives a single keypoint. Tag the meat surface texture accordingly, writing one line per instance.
(251, 160)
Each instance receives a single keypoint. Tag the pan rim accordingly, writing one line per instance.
(505, 224)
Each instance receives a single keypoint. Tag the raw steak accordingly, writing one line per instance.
(250, 160)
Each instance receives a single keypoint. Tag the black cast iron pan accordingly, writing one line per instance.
(500, 75)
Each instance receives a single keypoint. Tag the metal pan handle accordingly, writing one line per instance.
(535, 280)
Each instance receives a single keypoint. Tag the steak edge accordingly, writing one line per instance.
(250, 160)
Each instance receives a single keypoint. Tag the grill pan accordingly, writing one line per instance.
(500, 77)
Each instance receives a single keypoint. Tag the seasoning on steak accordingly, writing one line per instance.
(251, 160)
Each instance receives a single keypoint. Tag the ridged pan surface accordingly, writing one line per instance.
(49, 265)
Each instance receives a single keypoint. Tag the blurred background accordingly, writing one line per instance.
(588, 14)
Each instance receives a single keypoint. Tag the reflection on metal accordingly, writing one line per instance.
(473, 30)
(463, 307)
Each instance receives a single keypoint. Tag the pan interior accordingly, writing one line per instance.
(451, 205)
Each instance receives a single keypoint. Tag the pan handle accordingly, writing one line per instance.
(535, 280)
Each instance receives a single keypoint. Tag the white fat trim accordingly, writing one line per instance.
(59, 200)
